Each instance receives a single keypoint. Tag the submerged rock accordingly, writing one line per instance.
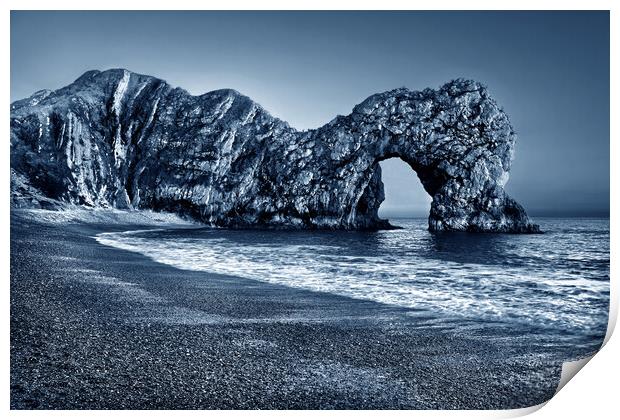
(125, 140)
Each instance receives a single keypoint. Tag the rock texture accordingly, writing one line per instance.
(125, 140)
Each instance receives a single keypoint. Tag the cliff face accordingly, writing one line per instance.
(125, 140)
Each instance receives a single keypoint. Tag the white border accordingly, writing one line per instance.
(592, 395)
(310, 5)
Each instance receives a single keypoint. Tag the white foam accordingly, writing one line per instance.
(459, 289)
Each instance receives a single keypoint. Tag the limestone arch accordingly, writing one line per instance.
(460, 144)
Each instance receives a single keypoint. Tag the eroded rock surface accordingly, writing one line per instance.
(124, 140)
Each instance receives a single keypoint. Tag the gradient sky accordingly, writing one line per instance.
(549, 70)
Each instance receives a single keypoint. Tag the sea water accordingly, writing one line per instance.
(556, 283)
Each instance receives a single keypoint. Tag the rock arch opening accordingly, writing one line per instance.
(405, 197)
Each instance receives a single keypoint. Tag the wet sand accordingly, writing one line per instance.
(94, 327)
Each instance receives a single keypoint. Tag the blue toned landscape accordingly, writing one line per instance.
(306, 210)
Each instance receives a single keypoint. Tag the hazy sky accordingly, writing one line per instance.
(549, 70)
